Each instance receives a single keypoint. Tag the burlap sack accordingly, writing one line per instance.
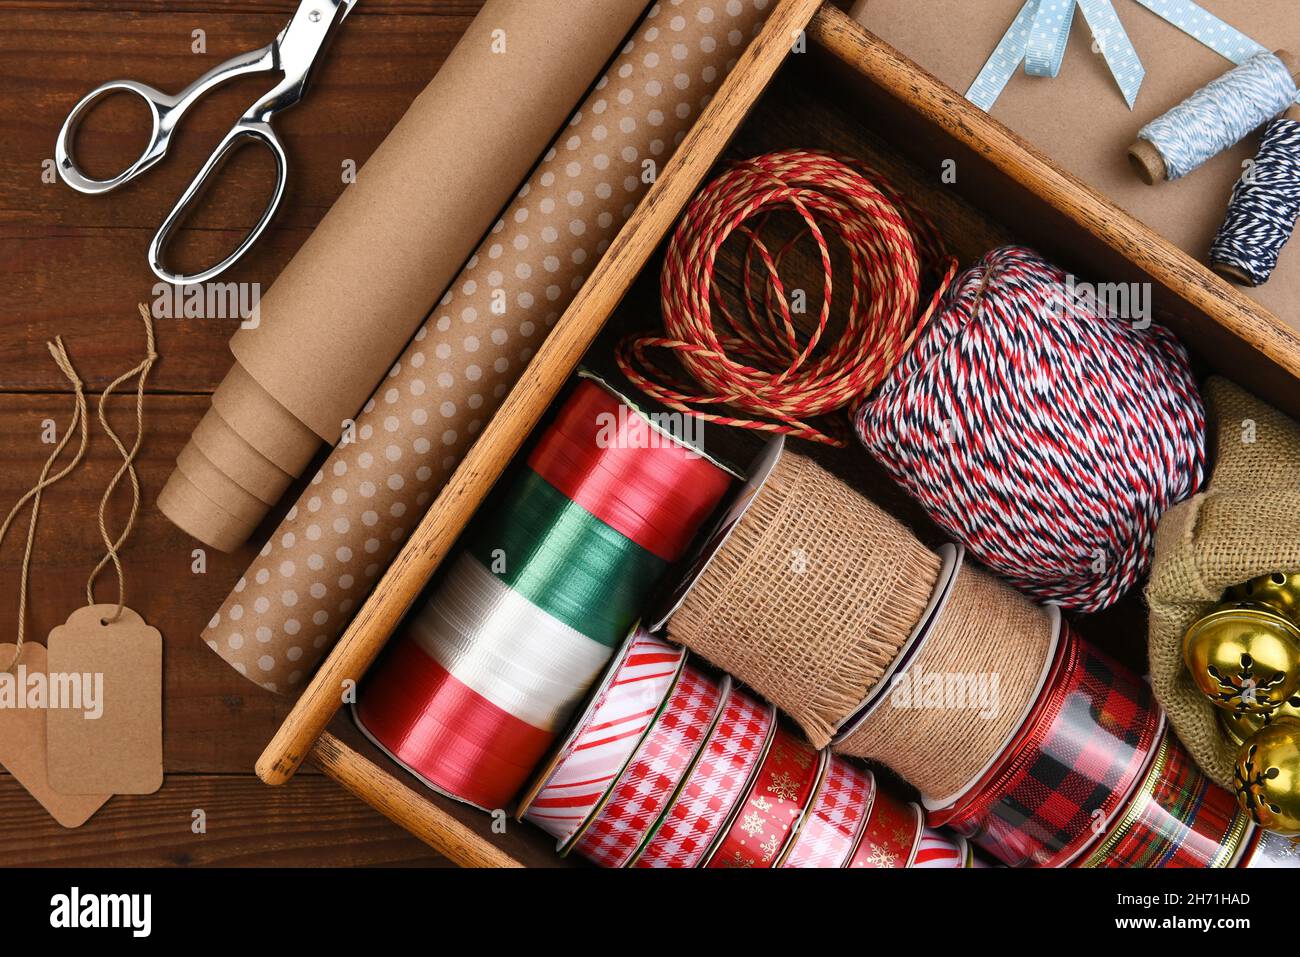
(1245, 523)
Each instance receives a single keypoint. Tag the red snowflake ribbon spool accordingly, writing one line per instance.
(891, 835)
(766, 821)
(1177, 818)
(652, 777)
(831, 829)
(1060, 782)
(714, 786)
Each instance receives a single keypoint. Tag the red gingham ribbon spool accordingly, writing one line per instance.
(714, 786)
(1177, 818)
(938, 850)
(656, 770)
(892, 833)
(834, 823)
(598, 747)
(763, 825)
(1076, 759)
(761, 363)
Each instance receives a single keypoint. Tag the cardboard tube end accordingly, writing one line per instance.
(1147, 162)
(1233, 274)
(190, 510)
(1292, 63)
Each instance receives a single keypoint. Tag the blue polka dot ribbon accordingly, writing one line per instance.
(1038, 36)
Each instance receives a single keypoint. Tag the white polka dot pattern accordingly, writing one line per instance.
(331, 548)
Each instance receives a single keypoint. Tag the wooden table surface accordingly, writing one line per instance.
(74, 266)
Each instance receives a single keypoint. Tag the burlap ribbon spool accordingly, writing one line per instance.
(941, 723)
(1244, 524)
(810, 598)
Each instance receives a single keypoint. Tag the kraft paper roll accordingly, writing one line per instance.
(370, 273)
(296, 598)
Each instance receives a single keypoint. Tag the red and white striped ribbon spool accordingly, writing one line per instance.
(715, 784)
(831, 829)
(656, 770)
(939, 850)
(585, 767)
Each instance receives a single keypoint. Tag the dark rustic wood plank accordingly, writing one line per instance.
(76, 264)
(311, 823)
(214, 719)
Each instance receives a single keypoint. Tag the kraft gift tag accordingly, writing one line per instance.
(117, 746)
(22, 738)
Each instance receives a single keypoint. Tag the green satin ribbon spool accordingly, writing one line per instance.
(566, 561)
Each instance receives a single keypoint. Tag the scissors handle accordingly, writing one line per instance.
(165, 111)
(247, 130)
(161, 106)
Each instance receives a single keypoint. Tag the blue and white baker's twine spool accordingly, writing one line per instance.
(1221, 114)
(1265, 205)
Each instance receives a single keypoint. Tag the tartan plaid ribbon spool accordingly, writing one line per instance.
(656, 770)
(714, 786)
(891, 835)
(835, 821)
(1076, 759)
(1177, 818)
(762, 827)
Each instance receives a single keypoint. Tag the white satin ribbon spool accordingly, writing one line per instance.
(493, 640)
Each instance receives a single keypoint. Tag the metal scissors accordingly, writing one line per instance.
(294, 52)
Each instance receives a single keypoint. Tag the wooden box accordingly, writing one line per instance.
(843, 90)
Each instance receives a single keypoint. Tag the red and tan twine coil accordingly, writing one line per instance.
(756, 359)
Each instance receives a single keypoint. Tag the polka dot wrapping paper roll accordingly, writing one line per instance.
(320, 563)
(548, 582)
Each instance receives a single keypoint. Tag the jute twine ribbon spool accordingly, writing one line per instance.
(810, 598)
(943, 721)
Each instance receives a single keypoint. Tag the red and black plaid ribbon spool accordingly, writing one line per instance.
(1064, 776)
(891, 835)
(766, 820)
(1177, 818)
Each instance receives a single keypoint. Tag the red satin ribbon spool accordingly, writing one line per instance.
(656, 770)
(1073, 764)
(606, 457)
(714, 786)
(830, 831)
(766, 821)
(891, 835)
(465, 756)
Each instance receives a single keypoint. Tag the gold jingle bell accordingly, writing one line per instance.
(1279, 591)
(1239, 727)
(1267, 777)
(1244, 658)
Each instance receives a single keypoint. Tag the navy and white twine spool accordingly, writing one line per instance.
(1221, 114)
(1041, 431)
(1264, 209)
